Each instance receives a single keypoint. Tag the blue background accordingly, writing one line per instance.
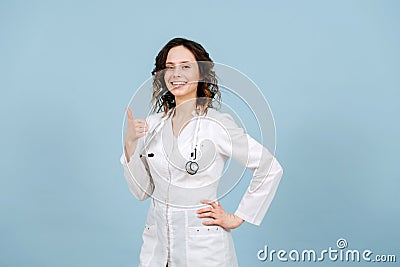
(329, 69)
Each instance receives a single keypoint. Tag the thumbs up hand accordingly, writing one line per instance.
(135, 129)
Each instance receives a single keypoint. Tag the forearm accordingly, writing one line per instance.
(129, 149)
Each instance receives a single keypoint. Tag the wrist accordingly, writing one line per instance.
(240, 220)
(130, 145)
(129, 148)
(236, 221)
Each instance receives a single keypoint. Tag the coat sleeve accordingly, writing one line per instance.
(235, 143)
(137, 173)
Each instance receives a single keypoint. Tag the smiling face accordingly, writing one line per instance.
(182, 73)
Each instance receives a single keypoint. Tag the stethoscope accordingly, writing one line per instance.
(191, 165)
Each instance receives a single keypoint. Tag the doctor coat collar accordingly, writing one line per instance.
(171, 112)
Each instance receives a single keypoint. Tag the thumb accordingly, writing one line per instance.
(129, 113)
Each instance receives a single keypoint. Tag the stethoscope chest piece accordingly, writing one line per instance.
(192, 167)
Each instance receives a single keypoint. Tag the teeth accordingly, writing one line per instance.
(178, 83)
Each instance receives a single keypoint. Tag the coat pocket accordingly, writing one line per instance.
(206, 246)
(149, 237)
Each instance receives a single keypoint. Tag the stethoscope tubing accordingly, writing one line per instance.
(191, 166)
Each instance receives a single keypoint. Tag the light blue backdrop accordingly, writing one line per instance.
(329, 69)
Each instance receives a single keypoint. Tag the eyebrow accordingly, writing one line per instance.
(186, 61)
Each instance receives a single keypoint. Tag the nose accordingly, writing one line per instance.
(177, 71)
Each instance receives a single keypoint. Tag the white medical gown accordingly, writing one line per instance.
(173, 233)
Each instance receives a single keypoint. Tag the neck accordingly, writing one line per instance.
(184, 108)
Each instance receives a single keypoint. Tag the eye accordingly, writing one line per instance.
(186, 66)
(170, 67)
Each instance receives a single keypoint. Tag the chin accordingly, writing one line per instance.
(180, 92)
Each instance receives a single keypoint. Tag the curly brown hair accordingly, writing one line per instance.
(207, 88)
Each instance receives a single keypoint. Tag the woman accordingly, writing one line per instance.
(185, 225)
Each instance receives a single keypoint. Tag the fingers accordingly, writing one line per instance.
(206, 212)
(207, 215)
(215, 204)
(214, 212)
(138, 127)
(213, 222)
(207, 209)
